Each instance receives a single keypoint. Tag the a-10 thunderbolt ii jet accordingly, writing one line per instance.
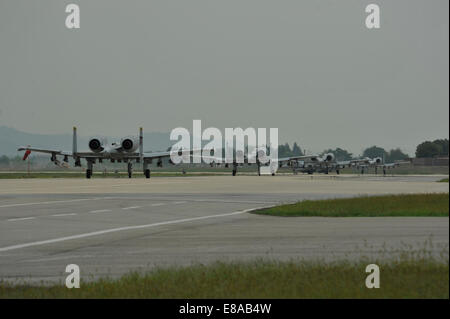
(327, 163)
(128, 150)
(377, 163)
(303, 163)
(313, 163)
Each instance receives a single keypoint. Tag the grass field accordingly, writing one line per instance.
(405, 278)
(373, 206)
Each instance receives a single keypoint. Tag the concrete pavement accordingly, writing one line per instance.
(111, 226)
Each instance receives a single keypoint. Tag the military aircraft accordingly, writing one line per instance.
(376, 163)
(310, 163)
(316, 163)
(327, 163)
(129, 149)
(304, 163)
(235, 158)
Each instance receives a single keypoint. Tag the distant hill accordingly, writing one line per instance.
(11, 139)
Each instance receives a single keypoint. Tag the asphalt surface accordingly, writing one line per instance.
(112, 226)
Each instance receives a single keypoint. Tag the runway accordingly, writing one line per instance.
(111, 226)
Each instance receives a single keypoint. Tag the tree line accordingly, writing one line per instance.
(434, 148)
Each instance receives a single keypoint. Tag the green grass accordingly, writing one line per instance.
(368, 206)
(408, 278)
(444, 180)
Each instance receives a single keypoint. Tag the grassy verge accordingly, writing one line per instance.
(373, 206)
(419, 278)
(444, 180)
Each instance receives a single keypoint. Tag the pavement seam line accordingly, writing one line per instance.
(100, 211)
(21, 218)
(52, 202)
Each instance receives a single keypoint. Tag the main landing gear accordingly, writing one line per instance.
(90, 164)
(146, 170)
(89, 169)
(234, 169)
(130, 169)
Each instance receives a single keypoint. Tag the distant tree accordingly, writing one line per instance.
(396, 155)
(296, 150)
(443, 144)
(340, 154)
(375, 151)
(284, 150)
(428, 149)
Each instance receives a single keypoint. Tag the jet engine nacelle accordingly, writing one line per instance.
(328, 157)
(97, 144)
(376, 160)
(130, 143)
(262, 156)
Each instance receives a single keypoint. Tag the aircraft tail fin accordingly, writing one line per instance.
(27, 153)
(74, 141)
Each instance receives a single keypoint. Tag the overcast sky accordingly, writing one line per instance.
(310, 68)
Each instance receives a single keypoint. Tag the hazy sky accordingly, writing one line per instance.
(310, 68)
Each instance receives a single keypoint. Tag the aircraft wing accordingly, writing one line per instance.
(168, 153)
(28, 150)
(155, 155)
(161, 154)
(395, 164)
(122, 155)
(343, 163)
(300, 157)
(43, 150)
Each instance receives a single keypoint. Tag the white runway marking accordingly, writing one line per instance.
(68, 214)
(100, 211)
(23, 218)
(231, 201)
(157, 204)
(52, 202)
(159, 183)
(112, 230)
(194, 200)
(57, 258)
(131, 207)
